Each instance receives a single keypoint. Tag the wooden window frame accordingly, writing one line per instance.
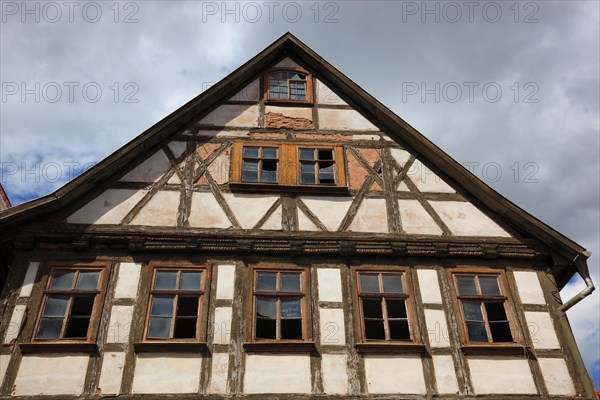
(304, 344)
(508, 302)
(308, 89)
(415, 344)
(70, 344)
(288, 167)
(260, 160)
(176, 344)
(315, 149)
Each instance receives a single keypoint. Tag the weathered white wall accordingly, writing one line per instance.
(161, 210)
(119, 324)
(541, 329)
(556, 376)
(292, 372)
(501, 375)
(437, 328)
(16, 321)
(218, 377)
(426, 181)
(51, 374)
(249, 208)
(29, 279)
(394, 374)
(429, 286)
(222, 325)
(4, 360)
(415, 219)
(370, 217)
(329, 210)
(333, 119)
(249, 93)
(335, 373)
(233, 115)
(110, 207)
(111, 373)
(331, 325)
(327, 96)
(225, 281)
(445, 374)
(330, 284)
(206, 212)
(128, 280)
(167, 373)
(149, 170)
(529, 288)
(464, 219)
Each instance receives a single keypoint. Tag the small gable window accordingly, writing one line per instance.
(260, 164)
(317, 166)
(288, 86)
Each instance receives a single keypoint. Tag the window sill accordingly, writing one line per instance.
(146, 347)
(58, 347)
(390, 347)
(262, 187)
(279, 347)
(495, 349)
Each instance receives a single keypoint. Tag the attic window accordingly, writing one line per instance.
(288, 86)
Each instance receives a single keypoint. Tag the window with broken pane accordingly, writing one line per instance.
(260, 164)
(317, 166)
(175, 303)
(279, 297)
(287, 85)
(70, 304)
(384, 298)
(483, 304)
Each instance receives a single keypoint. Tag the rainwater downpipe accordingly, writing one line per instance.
(583, 271)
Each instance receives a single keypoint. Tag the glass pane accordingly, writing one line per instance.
(472, 310)
(495, 311)
(50, 328)
(187, 306)
(307, 178)
(294, 76)
(489, 285)
(307, 167)
(82, 306)
(77, 328)
(307, 154)
(290, 308)
(369, 283)
(477, 332)
(185, 328)
(56, 306)
(372, 308)
(374, 330)
(266, 328)
(326, 178)
(62, 279)
(399, 330)
(326, 168)
(291, 329)
(266, 307)
(250, 166)
(266, 281)
(279, 75)
(501, 332)
(290, 282)
(325, 154)
(251, 152)
(269, 152)
(166, 280)
(250, 176)
(269, 177)
(159, 328)
(393, 283)
(396, 308)
(162, 306)
(88, 280)
(466, 285)
(190, 280)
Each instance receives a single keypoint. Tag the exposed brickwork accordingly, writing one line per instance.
(278, 120)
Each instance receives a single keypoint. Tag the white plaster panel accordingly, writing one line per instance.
(111, 373)
(415, 220)
(370, 217)
(206, 212)
(120, 324)
(335, 373)
(161, 210)
(172, 373)
(394, 374)
(556, 375)
(332, 325)
(329, 210)
(305, 224)
(29, 279)
(437, 328)
(14, 326)
(366, 137)
(401, 156)
(108, 208)
(445, 374)
(464, 219)
(128, 280)
(224, 133)
(177, 148)
(335, 119)
(219, 168)
(249, 208)
(287, 63)
(330, 284)
(528, 285)
(174, 180)
(4, 360)
(327, 96)
(292, 372)
(249, 93)
(149, 170)
(218, 377)
(501, 375)
(225, 281)
(51, 374)
(273, 223)
(222, 325)
(233, 115)
(292, 112)
(541, 329)
(430, 286)
(402, 187)
(426, 180)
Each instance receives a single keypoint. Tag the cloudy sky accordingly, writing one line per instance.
(509, 89)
